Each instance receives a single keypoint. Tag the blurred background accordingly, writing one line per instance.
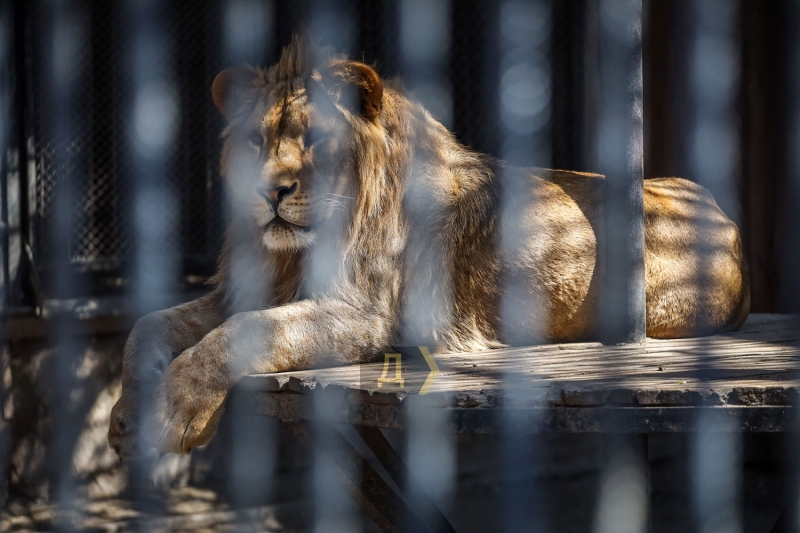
(80, 156)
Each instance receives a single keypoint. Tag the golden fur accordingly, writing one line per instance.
(360, 221)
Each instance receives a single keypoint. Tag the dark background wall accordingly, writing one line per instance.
(99, 147)
(766, 111)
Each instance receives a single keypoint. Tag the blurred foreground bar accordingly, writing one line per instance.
(620, 142)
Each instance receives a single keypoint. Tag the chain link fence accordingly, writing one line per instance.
(96, 157)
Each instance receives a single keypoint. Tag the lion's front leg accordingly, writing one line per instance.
(154, 342)
(191, 397)
(189, 400)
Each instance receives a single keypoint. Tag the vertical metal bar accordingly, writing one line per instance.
(717, 479)
(623, 502)
(152, 118)
(9, 43)
(714, 78)
(425, 45)
(425, 38)
(335, 509)
(24, 103)
(524, 105)
(425, 51)
(716, 454)
(790, 222)
(27, 163)
(624, 492)
(65, 38)
(154, 122)
(332, 23)
(642, 445)
(11, 153)
(787, 258)
(620, 142)
(248, 29)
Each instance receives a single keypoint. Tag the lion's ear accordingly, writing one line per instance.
(355, 86)
(229, 87)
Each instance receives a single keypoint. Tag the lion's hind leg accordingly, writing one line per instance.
(697, 280)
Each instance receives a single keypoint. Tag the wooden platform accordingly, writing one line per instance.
(741, 381)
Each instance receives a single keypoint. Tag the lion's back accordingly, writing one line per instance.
(697, 279)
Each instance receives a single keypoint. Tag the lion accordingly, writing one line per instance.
(360, 222)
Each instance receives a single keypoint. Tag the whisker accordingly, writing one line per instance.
(334, 203)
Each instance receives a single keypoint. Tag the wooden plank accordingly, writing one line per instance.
(465, 393)
(765, 352)
(294, 407)
(754, 367)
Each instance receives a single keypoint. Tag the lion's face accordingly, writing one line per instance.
(295, 174)
(289, 150)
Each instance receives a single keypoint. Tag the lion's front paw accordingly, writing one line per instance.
(122, 427)
(123, 435)
(187, 405)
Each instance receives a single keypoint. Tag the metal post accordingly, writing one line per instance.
(7, 47)
(787, 297)
(624, 493)
(620, 141)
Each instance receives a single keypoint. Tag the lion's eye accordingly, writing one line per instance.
(313, 136)
(256, 139)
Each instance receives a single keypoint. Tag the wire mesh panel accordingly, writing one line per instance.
(98, 153)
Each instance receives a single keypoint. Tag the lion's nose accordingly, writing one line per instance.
(274, 195)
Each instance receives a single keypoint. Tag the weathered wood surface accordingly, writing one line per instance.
(744, 381)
